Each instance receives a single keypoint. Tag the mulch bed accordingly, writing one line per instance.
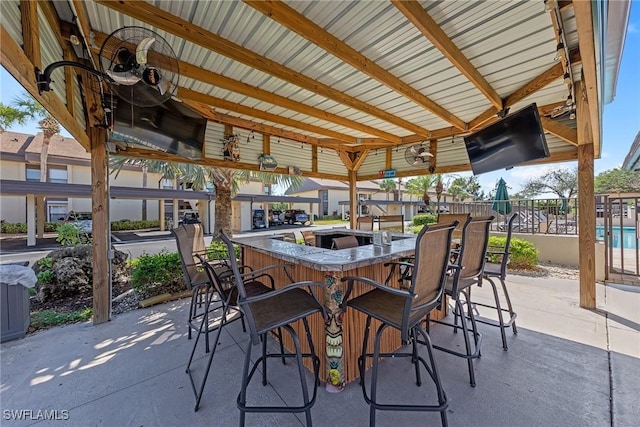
(77, 302)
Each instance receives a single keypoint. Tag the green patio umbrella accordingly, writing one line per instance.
(501, 204)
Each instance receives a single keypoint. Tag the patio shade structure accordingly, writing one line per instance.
(335, 89)
(501, 203)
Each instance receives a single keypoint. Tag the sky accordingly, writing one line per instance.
(621, 121)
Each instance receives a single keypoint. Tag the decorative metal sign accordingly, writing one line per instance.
(387, 173)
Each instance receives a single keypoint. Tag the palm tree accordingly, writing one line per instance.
(50, 127)
(388, 185)
(225, 181)
(10, 115)
(420, 186)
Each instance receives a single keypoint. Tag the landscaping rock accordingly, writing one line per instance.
(72, 272)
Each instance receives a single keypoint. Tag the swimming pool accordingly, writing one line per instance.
(627, 240)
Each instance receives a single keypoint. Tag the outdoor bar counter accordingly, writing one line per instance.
(341, 337)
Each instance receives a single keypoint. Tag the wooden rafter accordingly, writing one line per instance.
(141, 153)
(209, 77)
(215, 116)
(584, 23)
(254, 112)
(360, 159)
(51, 16)
(532, 86)
(291, 19)
(562, 156)
(30, 31)
(18, 65)
(184, 29)
(561, 131)
(431, 30)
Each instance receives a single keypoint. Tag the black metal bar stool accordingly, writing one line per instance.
(403, 309)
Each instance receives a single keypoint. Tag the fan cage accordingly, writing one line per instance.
(160, 56)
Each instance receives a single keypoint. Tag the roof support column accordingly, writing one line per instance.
(586, 200)
(353, 199)
(100, 209)
(31, 220)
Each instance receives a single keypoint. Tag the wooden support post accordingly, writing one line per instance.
(387, 159)
(586, 202)
(266, 144)
(353, 199)
(314, 158)
(161, 214)
(100, 209)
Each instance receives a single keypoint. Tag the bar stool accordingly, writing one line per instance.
(499, 271)
(403, 309)
(267, 312)
(467, 271)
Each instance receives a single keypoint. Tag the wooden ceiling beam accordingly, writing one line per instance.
(436, 35)
(584, 23)
(561, 131)
(298, 23)
(192, 95)
(30, 31)
(53, 20)
(223, 82)
(360, 159)
(344, 156)
(562, 156)
(18, 65)
(207, 112)
(532, 86)
(140, 153)
(184, 29)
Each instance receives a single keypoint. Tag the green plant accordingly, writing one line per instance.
(218, 250)
(47, 318)
(425, 219)
(133, 225)
(157, 274)
(45, 270)
(70, 234)
(45, 276)
(524, 254)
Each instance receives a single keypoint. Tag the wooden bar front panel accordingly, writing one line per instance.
(353, 322)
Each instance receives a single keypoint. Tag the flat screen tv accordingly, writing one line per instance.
(515, 139)
(170, 127)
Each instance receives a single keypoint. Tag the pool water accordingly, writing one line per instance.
(627, 240)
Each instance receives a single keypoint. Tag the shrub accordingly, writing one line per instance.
(218, 250)
(425, 219)
(524, 254)
(157, 274)
(21, 228)
(70, 234)
(123, 225)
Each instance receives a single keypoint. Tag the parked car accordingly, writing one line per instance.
(82, 220)
(190, 216)
(292, 216)
(275, 217)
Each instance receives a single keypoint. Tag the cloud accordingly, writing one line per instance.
(604, 154)
(632, 28)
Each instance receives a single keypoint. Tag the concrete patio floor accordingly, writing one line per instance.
(566, 367)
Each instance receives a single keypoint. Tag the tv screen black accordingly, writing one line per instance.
(170, 127)
(515, 139)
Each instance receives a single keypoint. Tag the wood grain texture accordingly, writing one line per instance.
(353, 322)
(100, 231)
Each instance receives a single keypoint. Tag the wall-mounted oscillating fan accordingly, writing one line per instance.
(141, 64)
(418, 156)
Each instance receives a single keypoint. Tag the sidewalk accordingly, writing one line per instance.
(566, 367)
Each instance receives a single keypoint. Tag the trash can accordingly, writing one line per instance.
(15, 281)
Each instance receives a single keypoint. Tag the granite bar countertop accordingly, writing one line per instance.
(329, 259)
